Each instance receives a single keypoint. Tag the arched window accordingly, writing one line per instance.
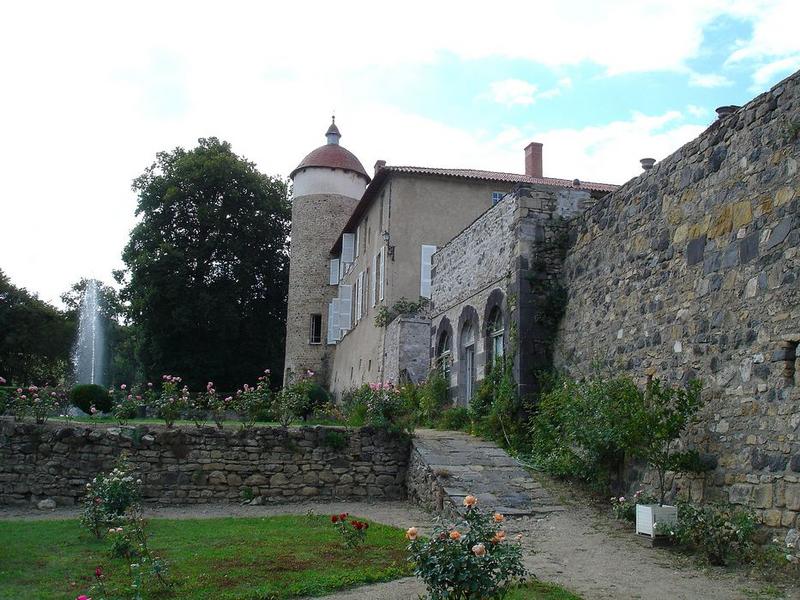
(468, 359)
(444, 356)
(495, 332)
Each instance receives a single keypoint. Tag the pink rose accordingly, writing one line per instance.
(123, 387)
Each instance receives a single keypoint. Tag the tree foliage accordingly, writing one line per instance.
(35, 337)
(207, 266)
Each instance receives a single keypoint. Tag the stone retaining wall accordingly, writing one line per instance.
(188, 466)
(691, 271)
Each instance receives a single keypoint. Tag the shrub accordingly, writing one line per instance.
(353, 531)
(300, 399)
(126, 403)
(432, 398)
(666, 413)
(403, 306)
(624, 508)
(585, 429)
(108, 497)
(354, 404)
(86, 395)
(253, 404)
(471, 560)
(455, 418)
(173, 399)
(496, 408)
(720, 533)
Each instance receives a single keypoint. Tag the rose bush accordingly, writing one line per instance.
(108, 497)
(173, 399)
(470, 560)
(353, 531)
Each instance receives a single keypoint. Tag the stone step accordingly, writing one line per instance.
(458, 465)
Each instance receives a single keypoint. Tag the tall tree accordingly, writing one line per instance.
(35, 337)
(207, 266)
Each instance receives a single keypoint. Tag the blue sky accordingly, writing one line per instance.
(92, 90)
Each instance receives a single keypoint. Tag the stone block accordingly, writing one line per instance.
(792, 496)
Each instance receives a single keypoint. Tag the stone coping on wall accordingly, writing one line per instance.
(187, 465)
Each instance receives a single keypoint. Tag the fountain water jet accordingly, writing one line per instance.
(88, 357)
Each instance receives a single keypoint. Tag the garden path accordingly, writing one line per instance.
(466, 465)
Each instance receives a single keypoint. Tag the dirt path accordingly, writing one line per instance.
(578, 548)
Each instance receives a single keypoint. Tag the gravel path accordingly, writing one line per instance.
(578, 548)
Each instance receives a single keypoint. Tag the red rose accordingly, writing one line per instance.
(334, 518)
(343, 517)
(98, 572)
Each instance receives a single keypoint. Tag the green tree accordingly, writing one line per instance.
(35, 337)
(207, 267)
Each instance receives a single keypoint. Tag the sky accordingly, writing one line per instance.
(91, 91)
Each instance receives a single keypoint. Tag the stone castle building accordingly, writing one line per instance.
(690, 270)
(360, 246)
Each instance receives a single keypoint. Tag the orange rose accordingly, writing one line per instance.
(411, 533)
(454, 535)
(498, 518)
(470, 501)
(500, 536)
(479, 549)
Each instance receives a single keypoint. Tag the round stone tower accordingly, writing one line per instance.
(327, 185)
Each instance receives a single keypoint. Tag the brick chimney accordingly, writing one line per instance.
(533, 159)
(379, 164)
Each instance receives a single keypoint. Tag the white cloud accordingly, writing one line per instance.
(774, 47)
(767, 72)
(708, 80)
(697, 111)
(92, 90)
(513, 92)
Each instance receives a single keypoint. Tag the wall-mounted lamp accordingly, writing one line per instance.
(389, 247)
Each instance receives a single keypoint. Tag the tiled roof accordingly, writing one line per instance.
(332, 156)
(509, 177)
(385, 171)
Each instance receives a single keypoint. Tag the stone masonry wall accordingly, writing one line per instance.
(510, 258)
(406, 349)
(691, 271)
(189, 466)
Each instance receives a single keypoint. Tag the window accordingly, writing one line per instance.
(359, 296)
(333, 277)
(495, 331)
(348, 247)
(315, 330)
(381, 272)
(425, 270)
(496, 197)
(443, 356)
(373, 282)
(333, 322)
(468, 359)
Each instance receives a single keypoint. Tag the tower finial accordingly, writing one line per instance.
(333, 134)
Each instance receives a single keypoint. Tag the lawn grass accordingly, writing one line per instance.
(229, 558)
(539, 590)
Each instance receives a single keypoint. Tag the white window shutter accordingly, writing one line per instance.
(425, 270)
(334, 272)
(382, 270)
(360, 296)
(348, 247)
(333, 322)
(372, 281)
(345, 307)
(357, 241)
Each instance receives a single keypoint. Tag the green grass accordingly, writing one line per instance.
(538, 590)
(230, 558)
